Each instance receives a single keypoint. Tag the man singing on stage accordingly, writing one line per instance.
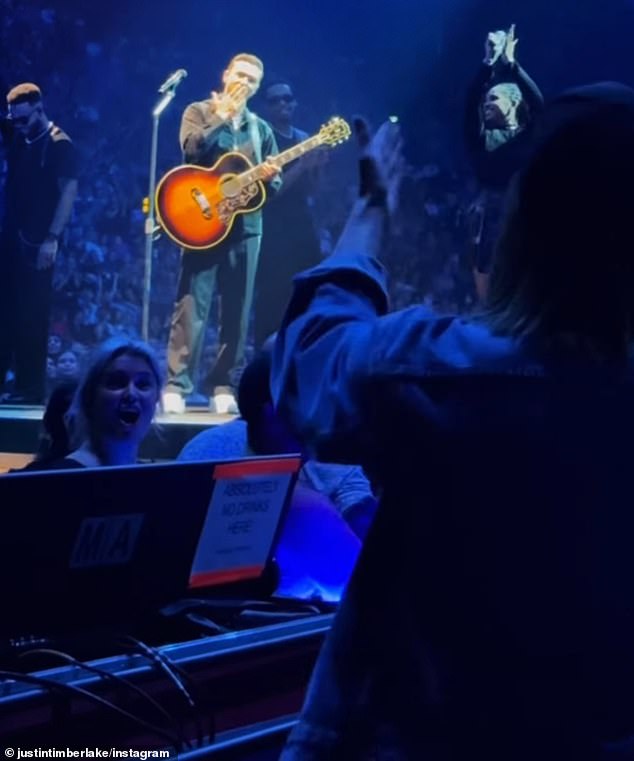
(40, 191)
(209, 129)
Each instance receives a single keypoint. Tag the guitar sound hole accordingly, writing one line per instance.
(230, 188)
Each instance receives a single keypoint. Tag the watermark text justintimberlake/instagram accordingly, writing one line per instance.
(143, 755)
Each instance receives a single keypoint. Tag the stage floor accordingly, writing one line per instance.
(21, 426)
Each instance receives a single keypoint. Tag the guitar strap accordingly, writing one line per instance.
(254, 134)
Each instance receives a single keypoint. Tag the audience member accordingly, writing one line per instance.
(67, 367)
(503, 105)
(55, 443)
(489, 614)
(114, 406)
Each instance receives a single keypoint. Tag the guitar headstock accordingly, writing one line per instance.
(334, 131)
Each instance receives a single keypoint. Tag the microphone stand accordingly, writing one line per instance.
(151, 228)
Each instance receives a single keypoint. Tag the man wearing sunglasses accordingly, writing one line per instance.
(40, 191)
(291, 244)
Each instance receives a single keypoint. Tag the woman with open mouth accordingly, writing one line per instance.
(113, 407)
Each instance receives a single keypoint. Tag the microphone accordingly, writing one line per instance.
(173, 80)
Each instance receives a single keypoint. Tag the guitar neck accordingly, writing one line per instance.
(290, 154)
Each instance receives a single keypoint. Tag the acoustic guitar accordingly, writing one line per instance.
(197, 206)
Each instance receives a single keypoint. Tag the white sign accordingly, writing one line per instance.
(239, 529)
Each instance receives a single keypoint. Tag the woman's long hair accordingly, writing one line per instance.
(564, 266)
(55, 443)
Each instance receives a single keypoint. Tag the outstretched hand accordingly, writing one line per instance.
(381, 169)
(382, 162)
(494, 46)
(510, 45)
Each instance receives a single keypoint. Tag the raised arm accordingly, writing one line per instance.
(332, 330)
(493, 49)
(530, 91)
(510, 70)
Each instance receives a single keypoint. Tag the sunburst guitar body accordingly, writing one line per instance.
(197, 206)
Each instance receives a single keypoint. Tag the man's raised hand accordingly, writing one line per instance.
(231, 101)
(510, 45)
(494, 46)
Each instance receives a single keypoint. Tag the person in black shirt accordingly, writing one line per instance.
(290, 244)
(502, 105)
(209, 129)
(40, 191)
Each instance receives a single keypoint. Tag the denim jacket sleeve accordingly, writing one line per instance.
(337, 349)
(323, 354)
